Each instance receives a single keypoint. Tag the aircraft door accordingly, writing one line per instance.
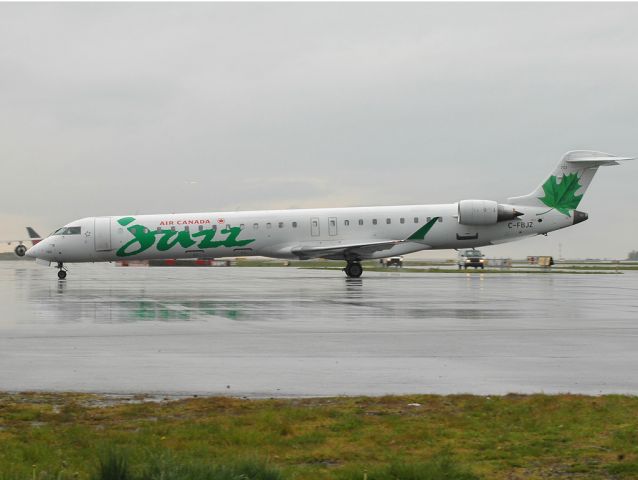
(332, 226)
(102, 234)
(314, 227)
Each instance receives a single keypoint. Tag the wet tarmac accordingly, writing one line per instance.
(296, 332)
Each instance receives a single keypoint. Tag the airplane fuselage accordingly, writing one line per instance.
(350, 234)
(284, 233)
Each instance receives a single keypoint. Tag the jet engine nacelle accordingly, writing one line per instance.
(485, 212)
(20, 250)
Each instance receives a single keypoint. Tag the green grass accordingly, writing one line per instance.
(442, 467)
(464, 437)
(115, 466)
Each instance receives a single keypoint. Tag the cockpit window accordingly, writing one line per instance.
(68, 231)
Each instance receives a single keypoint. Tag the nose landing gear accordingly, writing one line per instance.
(353, 269)
(61, 271)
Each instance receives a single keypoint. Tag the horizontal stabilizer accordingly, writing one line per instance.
(598, 161)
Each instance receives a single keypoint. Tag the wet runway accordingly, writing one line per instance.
(288, 332)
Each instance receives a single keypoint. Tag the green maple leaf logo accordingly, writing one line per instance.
(562, 196)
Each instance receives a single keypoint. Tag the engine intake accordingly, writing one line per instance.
(485, 212)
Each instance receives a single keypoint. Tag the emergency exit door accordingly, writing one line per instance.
(314, 227)
(102, 234)
(332, 226)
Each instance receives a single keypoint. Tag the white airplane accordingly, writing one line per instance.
(20, 249)
(348, 234)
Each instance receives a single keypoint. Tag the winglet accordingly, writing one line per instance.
(422, 232)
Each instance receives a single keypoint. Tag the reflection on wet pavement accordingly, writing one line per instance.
(286, 331)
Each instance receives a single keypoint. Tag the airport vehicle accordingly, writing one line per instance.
(21, 249)
(392, 262)
(543, 261)
(471, 257)
(348, 234)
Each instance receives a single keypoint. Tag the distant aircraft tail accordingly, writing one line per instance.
(566, 185)
(33, 235)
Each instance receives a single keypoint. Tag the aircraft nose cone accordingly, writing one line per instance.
(33, 251)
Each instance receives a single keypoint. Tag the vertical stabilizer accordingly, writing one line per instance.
(566, 185)
(33, 235)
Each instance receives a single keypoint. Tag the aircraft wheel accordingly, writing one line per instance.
(61, 274)
(354, 269)
(20, 250)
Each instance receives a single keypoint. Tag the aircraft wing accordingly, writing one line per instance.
(359, 250)
(33, 237)
(21, 249)
(19, 240)
(339, 252)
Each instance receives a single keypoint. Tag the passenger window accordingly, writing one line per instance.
(173, 228)
(241, 226)
(440, 219)
(186, 228)
(401, 220)
(314, 223)
(428, 219)
(360, 221)
(416, 219)
(200, 228)
(268, 225)
(281, 224)
(159, 229)
(294, 224)
(333, 223)
(214, 227)
(388, 221)
(374, 221)
(346, 223)
(255, 226)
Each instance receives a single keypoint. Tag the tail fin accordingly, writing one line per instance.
(567, 184)
(33, 235)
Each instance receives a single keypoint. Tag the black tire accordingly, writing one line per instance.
(354, 270)
(61, 274)
(20, 250)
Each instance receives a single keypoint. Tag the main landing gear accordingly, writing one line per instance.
(61, 271)
(353, 269)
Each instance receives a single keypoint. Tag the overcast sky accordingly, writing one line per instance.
(148, 108)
